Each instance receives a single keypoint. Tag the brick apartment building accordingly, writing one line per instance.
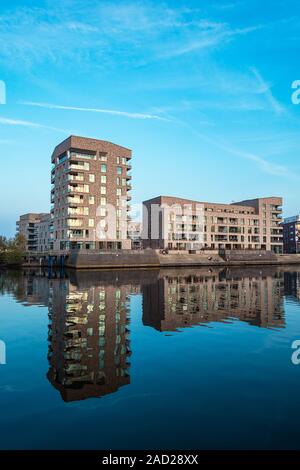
(291, 234)
(90, 199)
(36, 230)
(181, 224)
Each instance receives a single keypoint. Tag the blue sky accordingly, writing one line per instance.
(199, 90)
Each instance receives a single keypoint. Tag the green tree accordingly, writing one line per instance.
(12, 250)
(3, 243)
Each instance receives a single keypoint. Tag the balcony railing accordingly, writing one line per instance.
(74, 223)
(79, 166)
(78, 188)
(74, 200)
(75, 177)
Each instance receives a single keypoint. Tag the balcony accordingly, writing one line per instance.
(74, 223)
(129, 187)
(74, 201)
(78, 188)
(128, 166)
(79, 166)
(235, 230)
(75, 177)
(222, 229)
(221, 238)
(80, 211)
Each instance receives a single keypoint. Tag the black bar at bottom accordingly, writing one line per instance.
(133, 459)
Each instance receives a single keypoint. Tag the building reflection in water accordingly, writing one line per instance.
(88, 340)
(188, 297)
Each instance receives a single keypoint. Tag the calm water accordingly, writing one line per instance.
(168, 359)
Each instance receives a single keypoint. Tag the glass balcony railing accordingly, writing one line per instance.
(83, 188)
(74, 223)
(79, 166)
(75, 200)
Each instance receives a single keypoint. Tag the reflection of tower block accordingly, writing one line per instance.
(2, 92)
(89, 346)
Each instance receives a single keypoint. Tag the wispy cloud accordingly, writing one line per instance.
(208, 36)
(265, 89)
(19, 122)
(263, 164)
(144, 30)
(113, 112)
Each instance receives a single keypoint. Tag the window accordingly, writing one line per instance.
(103, 158)
(102, 212)
(119, 192)
(103, 201)
(118, 160)
(103, 179)
(102, 223)
(118, 181)
(92, 178)
(119, 170)
(91, 222)
(119, 213)
(103, 168)
(124, 160)
(123, 181)
(91, 200)
(103, 190)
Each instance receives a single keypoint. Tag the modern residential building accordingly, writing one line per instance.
(291, 234)
(35, 228)
(44, 234)
(90, 195)
(135, 234)
(181, 224)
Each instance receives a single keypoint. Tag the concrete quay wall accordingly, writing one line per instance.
(154, 259)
